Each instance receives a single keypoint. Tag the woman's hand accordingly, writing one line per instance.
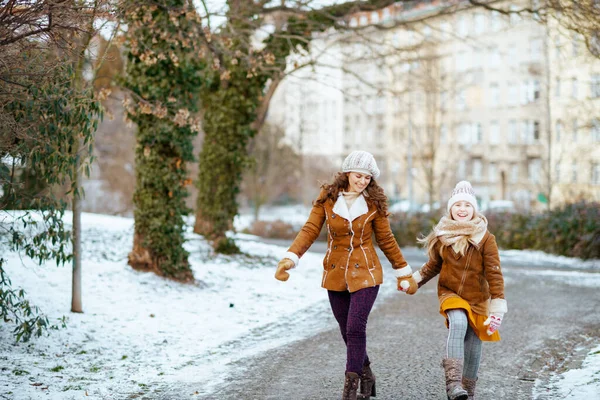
(281, 274)
(407, 284)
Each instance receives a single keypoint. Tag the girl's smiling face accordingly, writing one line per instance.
(358, 182)
(462, 211)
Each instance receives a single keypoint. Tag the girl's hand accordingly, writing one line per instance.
(282, 267)
(498, 308)
(407, 284)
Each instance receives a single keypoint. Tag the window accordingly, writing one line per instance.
(477, 169)
(574, 87)
(596, 130)
(374, 17)
(574, 172)
(462, 169)
(575, 128)
(494, 57)
(559, 129)
(363, 20)
(496, 23)
(595, 85)
(537, 48)
(525, 132)
(353, 22)
(477, 132)
(443, 100)
(557, 172)
(464, 136)
(446, 30)
(594, 45)
(513, 94)
(386, 14)
(494, 132)
(463, 26)
(513, 54)
(479, 23)
(443, 134)
(514, 17)
(514, 173)
(494, 95)
(530, 91)
(513, 131)
(557, 88)
(492, 172)
(461, 101)
(536, 131)
(535, 166)
(462, 63)
(575, 45)
(595, 170)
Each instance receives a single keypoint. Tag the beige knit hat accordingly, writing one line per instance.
(362, 162)
(463, 191)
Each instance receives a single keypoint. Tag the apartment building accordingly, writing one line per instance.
(456, 93)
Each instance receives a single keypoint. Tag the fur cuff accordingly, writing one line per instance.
(498, 306)
(292, 257)
(402, 272)
(417, 276)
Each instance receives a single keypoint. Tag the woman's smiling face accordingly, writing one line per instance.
(462, 211)
(358, 182)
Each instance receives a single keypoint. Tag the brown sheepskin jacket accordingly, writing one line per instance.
(350, 262)
(475, 276)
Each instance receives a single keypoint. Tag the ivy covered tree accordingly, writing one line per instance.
(237, 94)
(163, 77)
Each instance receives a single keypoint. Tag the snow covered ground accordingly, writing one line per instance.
(140, 333)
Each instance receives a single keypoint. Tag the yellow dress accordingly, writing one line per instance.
(475, 320)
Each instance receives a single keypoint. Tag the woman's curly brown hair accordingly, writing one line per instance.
(373, 193)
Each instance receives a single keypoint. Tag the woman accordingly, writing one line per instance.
(354, 207)
(470, 287)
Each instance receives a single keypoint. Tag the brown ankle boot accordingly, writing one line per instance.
(469, 385)
(367, 383)
(350, 386)
(453, 368)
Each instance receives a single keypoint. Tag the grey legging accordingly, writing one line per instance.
(463, 342)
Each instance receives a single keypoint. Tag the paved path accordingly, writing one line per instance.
(551, 324)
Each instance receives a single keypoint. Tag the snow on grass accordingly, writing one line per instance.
(139, 331)
(580, 383)
(540, 258)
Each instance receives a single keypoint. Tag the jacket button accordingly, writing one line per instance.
(332, 266)
(332, 215)
(356, 265)
(335, 247)
(349, 249)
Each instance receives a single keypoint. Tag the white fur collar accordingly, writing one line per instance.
(359, 207)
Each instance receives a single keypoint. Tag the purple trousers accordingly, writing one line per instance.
(351, 310)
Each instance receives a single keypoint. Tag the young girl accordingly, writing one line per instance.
(470, 287)
(353, 207)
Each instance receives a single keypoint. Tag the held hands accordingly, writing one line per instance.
(498, 308)
(407, 284)
(281, 274)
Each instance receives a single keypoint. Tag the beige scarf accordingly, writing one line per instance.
(459, 234)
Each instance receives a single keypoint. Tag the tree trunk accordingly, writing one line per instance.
(162, 105)
(76, 303)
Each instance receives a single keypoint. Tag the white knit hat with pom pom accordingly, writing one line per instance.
(463, 191)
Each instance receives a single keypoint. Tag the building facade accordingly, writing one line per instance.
(449, 93)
